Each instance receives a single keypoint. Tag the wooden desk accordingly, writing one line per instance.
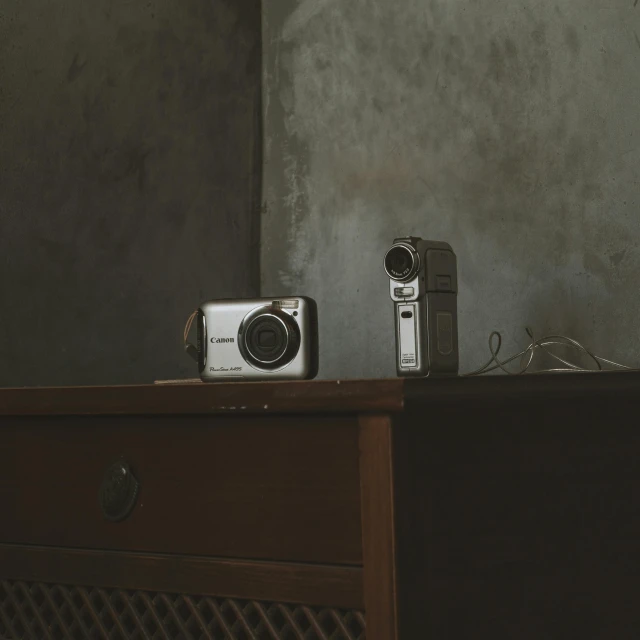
(494, 507)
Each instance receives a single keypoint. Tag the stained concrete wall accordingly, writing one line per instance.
(511, 130)
(129, 181)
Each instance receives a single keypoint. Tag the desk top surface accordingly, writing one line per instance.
(332, 396)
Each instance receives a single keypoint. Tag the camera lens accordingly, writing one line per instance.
(401, 263)
(266, 338)
(269, 338)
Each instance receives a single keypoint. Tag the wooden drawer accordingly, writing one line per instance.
(278, 487)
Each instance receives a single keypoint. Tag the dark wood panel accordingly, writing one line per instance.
(277, 488)
(312, 396)
(259, 397)
(503, 503)
(335, 586)
(378, 529)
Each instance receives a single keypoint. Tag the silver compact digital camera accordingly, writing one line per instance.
(258, 339)
(423, 284)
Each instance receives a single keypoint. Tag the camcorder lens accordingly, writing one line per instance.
(400, 263)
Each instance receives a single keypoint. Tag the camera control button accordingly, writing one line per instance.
(403, 292)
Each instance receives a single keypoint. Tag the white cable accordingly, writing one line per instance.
(529, 353)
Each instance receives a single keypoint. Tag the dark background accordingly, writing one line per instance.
(130, 160)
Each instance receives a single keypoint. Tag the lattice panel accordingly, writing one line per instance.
(37, 611)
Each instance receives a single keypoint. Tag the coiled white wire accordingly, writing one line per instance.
(528, 355)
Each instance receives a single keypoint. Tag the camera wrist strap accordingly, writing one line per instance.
(188, 346)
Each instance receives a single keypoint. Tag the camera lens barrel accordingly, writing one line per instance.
(402, 262)
(269, 338)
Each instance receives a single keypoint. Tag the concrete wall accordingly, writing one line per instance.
(129, 181)
(511, 130)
